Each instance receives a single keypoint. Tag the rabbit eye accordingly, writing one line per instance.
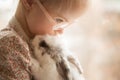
(43, 44)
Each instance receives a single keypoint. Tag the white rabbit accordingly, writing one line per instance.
(53, 61)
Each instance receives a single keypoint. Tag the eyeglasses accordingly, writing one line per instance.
(58, 21)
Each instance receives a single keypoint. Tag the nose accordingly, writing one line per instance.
(59, 31)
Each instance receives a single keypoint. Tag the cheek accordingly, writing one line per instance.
(41, 27)
(38, 23)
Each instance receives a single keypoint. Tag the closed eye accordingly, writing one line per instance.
(59, 20)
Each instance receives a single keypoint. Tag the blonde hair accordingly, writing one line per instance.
(58, 6)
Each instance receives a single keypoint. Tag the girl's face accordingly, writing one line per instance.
(41, 21)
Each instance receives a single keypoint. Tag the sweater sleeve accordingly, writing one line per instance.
(14, 59)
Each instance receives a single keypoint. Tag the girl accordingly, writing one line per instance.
(32, 19)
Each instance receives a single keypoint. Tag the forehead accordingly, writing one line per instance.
(73, 13)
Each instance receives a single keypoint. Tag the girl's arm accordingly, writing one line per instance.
(14, 59)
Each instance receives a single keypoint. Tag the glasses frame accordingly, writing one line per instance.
(50, 18)
(45, 11)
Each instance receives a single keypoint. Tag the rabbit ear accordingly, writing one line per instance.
(63, 69)
(76, 63)
(43, 44)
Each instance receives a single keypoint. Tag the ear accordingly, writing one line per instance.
(27, 3)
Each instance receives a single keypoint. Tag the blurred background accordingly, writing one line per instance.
(95, 39)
